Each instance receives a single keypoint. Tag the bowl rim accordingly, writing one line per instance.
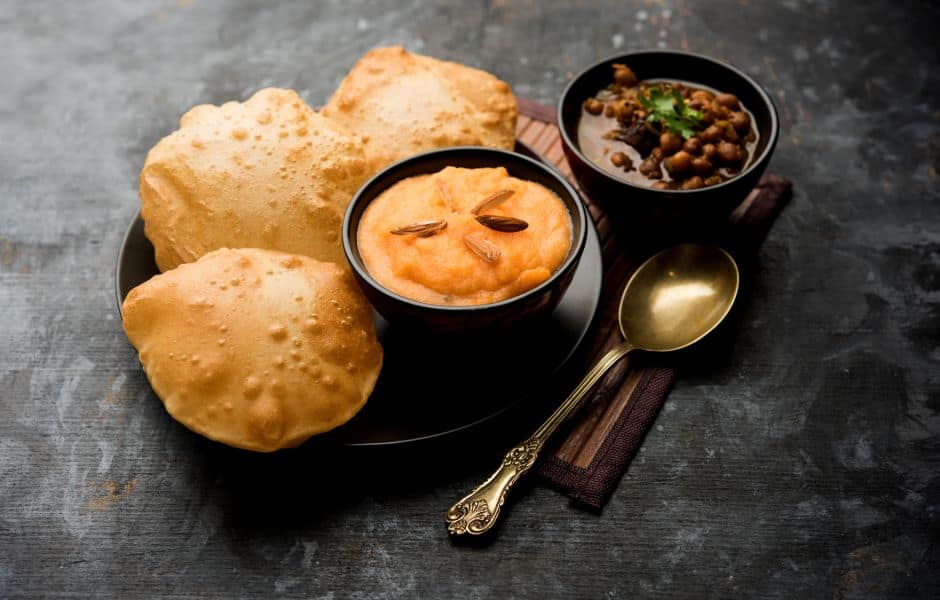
(764, 95)
(572, 258)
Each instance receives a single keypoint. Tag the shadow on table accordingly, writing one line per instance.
(299, 489)
(305, 488)
(714, 353)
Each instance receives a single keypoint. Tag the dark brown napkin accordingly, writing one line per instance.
(610, 427)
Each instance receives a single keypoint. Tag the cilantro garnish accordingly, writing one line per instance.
(669, 109)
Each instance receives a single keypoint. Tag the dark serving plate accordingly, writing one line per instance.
(669, 208)
(432, 386)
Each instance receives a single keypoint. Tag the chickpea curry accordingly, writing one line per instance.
(668, 135)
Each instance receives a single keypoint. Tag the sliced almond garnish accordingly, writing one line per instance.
(445, 194)
(421, 228)
(492, 200)
(482, 247)
(501, 223)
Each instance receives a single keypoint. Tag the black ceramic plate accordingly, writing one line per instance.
(429, 388)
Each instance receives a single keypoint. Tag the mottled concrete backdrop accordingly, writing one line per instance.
(804, 465)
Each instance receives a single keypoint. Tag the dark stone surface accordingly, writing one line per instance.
(803, 464)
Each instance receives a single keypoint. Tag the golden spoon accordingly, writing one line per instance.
(673, 300)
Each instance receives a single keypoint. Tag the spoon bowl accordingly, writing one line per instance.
(673, 300)
(677, 297)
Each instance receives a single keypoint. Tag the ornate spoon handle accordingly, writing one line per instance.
(476, 512)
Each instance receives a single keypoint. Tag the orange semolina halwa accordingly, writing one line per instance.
(441, 254)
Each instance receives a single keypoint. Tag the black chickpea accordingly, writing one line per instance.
(593, 106)
(670, 143)
(740, 121)
(693, 183)
(693, 145)
(710, 151)
(727, 100)
(728, 153)
(624, 76)
(679, 163)
(727, 131)
(651, 169)
(624, 111)
(711, 134)
(701, 166)
(618, 159)
(719, 111)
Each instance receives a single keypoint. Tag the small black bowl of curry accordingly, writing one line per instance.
(667, 137)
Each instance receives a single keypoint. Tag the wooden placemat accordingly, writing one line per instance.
(587, 463)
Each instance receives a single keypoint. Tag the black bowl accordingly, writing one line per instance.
(479, 319)
(667, 207)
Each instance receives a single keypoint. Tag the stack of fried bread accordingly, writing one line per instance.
(255, 334)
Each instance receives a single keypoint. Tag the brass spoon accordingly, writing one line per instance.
(673, 300)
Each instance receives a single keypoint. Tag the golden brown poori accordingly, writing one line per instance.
(254, 348)
(403, 104)
(266, 173)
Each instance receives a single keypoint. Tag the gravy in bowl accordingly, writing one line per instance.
(666, 134)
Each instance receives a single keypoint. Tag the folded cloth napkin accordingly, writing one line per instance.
(587, 464)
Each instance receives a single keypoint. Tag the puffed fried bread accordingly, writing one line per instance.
(266, 173)
(403, 104)
(254, 348)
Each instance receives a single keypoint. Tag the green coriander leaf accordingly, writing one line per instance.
(663, 104)
(677, 100)
(695, 115)
(668, 107)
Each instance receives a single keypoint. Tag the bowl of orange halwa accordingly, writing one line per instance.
(464, 240)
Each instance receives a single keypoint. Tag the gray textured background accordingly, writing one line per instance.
(803, 465)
